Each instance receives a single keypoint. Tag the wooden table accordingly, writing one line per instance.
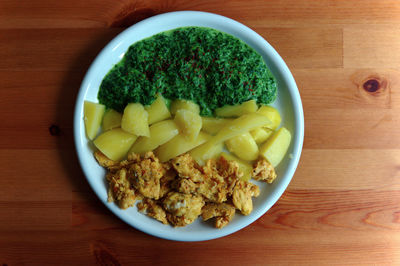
(343, 205)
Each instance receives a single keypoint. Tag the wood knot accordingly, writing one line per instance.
(374, 88)
(55, 130)
(374, 85)
(103, 256)
(371, 85)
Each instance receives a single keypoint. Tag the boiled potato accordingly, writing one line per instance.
(135, 120)
(244, 166)
(276, 146)
(272, 114)
(189, 123)
(201, 153)
(184, 104)
(243, 146)
(237, 110)
(92, 115)
(212, 125)
(158, 110)
(160, 133)
(241, 125)
(261, 134)
(238, 126)
(115, 143)
(111, 119)
(179, 145)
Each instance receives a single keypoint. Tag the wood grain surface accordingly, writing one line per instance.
(343, 205)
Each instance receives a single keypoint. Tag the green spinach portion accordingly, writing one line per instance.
(200, 64)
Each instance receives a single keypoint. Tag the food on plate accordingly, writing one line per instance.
(158, 110)
(261, 134)
(179, 191)
(182, 208)
(244, 166)
(264, 171)
(115, 143)
(242, 194)
(237, 127)
(275, 148)
(237, 110)
(180, 104)
(272, 114)
(203, 65)
(243, 146)
(222, 212)
(179, 145)
(212, 125)
(160, 133)
(135, 120)
(145, 174)
(182, 110)
(152, 209)
(178, 179)
(120, 189)
(111, 119)
(189, 123)
(92, 115)
(203, 153)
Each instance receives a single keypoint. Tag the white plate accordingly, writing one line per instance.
(288, 102)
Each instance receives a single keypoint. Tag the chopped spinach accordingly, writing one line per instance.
(204, 65)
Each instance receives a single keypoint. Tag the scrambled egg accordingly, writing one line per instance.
(152, 209)
(182, 208)
(264, 171)
(179, 191)
(242, 194)
(222, 211)
(120, 189)
(146, 174)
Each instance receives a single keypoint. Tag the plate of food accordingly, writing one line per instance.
(188, 126)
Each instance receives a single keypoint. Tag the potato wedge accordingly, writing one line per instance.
(160, 133)
(158, 110)
(92, 116)
(135, 120)
(237, 110)
(184, 104)
(260, 134)
(276, 146)
(201, 153)
(272, 114)
(112, 119)
(189, 123)
(115, 143)
(179, 145)
(238, 126)
(212, 125)
(241, 125)
(244, 166)
(243, 146)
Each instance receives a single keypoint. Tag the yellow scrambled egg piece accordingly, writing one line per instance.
(179, 191)
(242, 194)
(146, 174)
(182, 208)
(264, 171)
(222, 211)
(152, 209)
(186, 167)
(120, 189)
